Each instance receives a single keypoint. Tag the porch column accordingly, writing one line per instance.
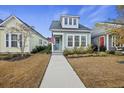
(107, 41)
(52, 47)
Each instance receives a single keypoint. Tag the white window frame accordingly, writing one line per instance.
(72, 41)
(86, 40)
(10, 40)
(14, 40)
(113, 45)
(75, 41)
(70, 20)
(75, 20)
(66, 20)
(40, 42)
(7, 40)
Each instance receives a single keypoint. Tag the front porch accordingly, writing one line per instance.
(57, 46)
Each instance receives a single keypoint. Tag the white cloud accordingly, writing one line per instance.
(58, 14)
(85, 9)
(99, 12)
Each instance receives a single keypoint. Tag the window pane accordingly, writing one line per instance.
(14, 43)
(40, 41)
(70, 41)
(20, 43)
(74, 21)
(7, 36)
(7, 43)
(83, 41)
(76, 41)
(70, 21)
(14, 37)
(7, 40)
(66, 21)
(70, 44)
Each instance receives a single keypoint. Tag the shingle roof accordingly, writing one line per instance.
(33, 30)
(57, 25)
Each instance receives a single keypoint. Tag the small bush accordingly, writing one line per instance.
(118, 53)
(68, 52)
(89, 49)
(42, 49)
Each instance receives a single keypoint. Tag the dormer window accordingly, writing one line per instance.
(75, 23)
(70, 21)
(66, 21)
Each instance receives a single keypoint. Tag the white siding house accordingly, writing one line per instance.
(69, 33)
(11, 41)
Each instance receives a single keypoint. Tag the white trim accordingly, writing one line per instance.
(79, 40)
(86, 40)
(107, 41)
(62, 34)
(64, 30)
(72, 41)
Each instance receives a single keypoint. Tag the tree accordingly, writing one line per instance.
(119, 34)
(25, 33)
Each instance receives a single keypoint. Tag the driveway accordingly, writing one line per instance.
(60, 74)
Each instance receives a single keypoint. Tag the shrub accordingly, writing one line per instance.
(68, 52)
(110, 52)
(103, 48)
(42, 49)
(118, 53)
(89, 49)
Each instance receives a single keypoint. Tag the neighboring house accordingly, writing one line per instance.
(69, 33)
(101, 36)
(9, 40)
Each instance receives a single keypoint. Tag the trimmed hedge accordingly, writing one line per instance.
(42, 49)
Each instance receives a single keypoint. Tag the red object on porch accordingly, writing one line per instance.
(53, 39)
(101, 41)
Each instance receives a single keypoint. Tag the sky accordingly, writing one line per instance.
(41, 16)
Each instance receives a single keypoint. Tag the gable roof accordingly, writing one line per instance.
(33, 30)
(57, 25)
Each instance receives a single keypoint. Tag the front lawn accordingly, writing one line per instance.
(23, 73)
(99, 71)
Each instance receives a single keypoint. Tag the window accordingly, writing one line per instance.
(75, 23)
(76, 41)
(83, 41)
(14, 40)
(70, 41)
(20, 40)
(70, 21)
(40, 41)
(66, 21)
(7, 40)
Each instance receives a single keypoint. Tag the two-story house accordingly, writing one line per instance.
(69, 33)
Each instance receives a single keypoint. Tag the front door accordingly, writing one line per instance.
(58, 42)
(102, 42)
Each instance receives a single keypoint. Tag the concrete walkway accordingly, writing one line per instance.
(60, 74)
